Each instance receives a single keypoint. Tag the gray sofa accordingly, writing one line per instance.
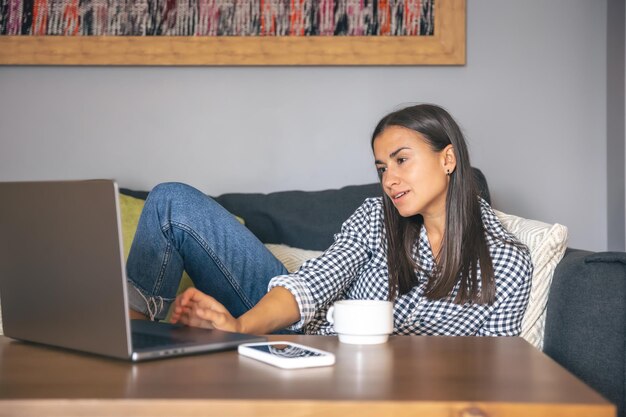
(586, 313)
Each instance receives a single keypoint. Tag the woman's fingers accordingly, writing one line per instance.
(179, 314)
(191, 295)
(190, 317)
(218, 319)
(195, 308)
(186, 300)
(195, 320)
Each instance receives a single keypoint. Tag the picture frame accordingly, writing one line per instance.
(446, 47)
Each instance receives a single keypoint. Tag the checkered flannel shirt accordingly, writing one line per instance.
(355, 267)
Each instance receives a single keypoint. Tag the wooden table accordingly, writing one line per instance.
(408, 376)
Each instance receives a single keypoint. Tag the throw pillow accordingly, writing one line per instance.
(130, 210)
(547, 244)
(292, 258)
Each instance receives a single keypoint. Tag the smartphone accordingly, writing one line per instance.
(286, 354)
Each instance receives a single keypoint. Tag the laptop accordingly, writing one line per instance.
(63, 277)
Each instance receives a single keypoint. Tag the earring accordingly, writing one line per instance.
(448, 173)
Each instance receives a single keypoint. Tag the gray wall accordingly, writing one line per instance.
(615, 123)
(531, 99)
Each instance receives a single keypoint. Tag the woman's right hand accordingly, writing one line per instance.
(195, 308)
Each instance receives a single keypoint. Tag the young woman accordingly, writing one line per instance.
(431, 245)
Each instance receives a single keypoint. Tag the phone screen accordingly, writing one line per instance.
(285, 351)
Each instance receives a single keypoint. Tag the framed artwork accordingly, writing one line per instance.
(232, 32)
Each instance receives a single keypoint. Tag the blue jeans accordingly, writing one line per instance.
(180, 228)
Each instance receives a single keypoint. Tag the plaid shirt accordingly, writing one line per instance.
(355, 267)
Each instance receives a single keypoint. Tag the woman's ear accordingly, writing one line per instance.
(448, 159)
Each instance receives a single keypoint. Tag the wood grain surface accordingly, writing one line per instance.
(409, 375)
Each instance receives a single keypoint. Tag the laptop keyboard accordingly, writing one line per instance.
(144, 340)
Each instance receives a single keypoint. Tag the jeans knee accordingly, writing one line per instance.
(169, 191)
(170, 188)
(184, 199)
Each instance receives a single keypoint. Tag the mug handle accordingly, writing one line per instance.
(329, 315)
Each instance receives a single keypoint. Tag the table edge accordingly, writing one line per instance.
(301, 408)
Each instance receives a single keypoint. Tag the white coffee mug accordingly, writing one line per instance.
(362, 321)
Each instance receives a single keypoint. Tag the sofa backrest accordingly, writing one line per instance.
(302, 219)
(306, 219)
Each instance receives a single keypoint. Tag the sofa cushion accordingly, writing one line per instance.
(301, 219)
(547, 244)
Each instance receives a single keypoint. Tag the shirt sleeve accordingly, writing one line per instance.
(321, 280)
(513, 271)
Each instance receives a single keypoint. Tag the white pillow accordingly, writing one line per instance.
(547, 244)
(292, 258)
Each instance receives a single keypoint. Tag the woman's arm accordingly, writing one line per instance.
(513, 270)
(276, 310)
(319, 281)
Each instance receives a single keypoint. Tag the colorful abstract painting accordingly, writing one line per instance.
(217, 17)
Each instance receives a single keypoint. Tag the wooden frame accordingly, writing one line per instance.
(446, 47)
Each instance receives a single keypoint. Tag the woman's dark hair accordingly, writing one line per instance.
(464, 246)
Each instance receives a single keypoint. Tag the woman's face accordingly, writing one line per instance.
(412, 174)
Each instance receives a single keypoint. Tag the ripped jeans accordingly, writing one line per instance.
(180, 228)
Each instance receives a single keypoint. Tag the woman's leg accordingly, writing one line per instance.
(182, 229)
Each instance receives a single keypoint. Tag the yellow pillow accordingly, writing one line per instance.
(130, 210)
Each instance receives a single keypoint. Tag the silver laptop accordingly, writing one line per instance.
(63, 279)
